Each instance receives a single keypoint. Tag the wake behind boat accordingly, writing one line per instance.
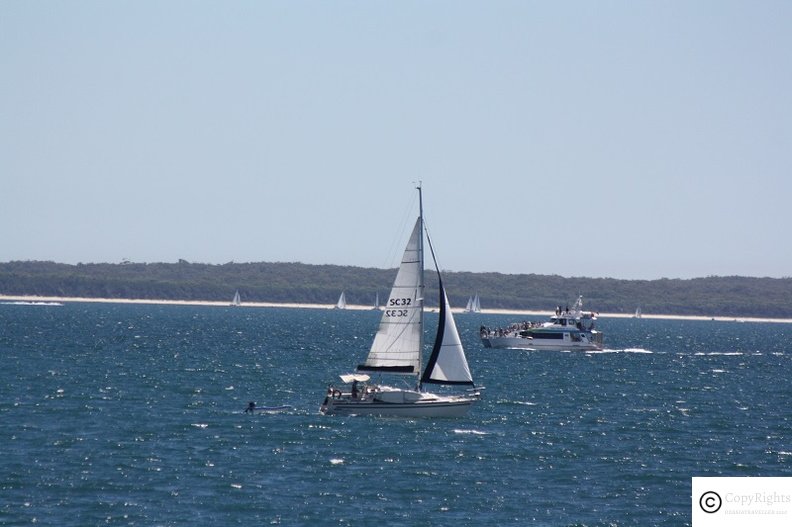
(397, 350)
(567, 330)
(252, 408)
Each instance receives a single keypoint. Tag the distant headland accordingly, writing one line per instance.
(282, 283)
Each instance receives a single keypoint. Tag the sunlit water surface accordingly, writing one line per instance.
(133, 415)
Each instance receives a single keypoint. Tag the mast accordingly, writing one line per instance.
(420, 294)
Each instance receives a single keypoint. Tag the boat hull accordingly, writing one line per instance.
(447, 407)
(567, 330)
(538, 344)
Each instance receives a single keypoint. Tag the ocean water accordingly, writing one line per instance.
(133, 415)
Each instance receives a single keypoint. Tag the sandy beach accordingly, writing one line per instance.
(514, 312)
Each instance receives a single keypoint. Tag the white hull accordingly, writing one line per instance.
(390, 401)
(440, 408)
(567, 330)
(538, 344)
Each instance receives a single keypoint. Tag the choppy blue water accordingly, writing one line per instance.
(133, 415)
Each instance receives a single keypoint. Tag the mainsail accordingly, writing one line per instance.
(397, 344)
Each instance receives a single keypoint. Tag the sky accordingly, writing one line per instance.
(623, 139)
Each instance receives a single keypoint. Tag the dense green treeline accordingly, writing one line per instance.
(301, 283)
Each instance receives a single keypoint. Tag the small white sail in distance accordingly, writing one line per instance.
(341, 304)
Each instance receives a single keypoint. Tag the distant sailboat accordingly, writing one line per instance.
(397, 350)
(341, 304)
(473, 305)
(637, 312)
(237, 300)
(376, 302)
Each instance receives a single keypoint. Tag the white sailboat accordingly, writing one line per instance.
(397, 350)
(376, 302)
(237, 300)
(637, 312)
(473, 304)
(341, 304)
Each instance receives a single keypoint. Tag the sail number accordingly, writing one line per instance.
(398, 302)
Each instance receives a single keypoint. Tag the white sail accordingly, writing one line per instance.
(397, 344)
(341, 304)
(577, 308)
(477, 304)
(237, 299)
(469, 306)
(396, 349)
(447, 364)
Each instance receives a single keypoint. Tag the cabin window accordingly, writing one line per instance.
(552, 336)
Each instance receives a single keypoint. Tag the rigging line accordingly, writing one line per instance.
(404, 327)
(405, 223)
(431, 247)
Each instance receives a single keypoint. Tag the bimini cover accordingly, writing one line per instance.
(350, 377)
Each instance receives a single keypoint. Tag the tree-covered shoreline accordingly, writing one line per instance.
(302, 283)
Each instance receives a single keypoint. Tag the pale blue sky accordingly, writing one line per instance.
(616, 139)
